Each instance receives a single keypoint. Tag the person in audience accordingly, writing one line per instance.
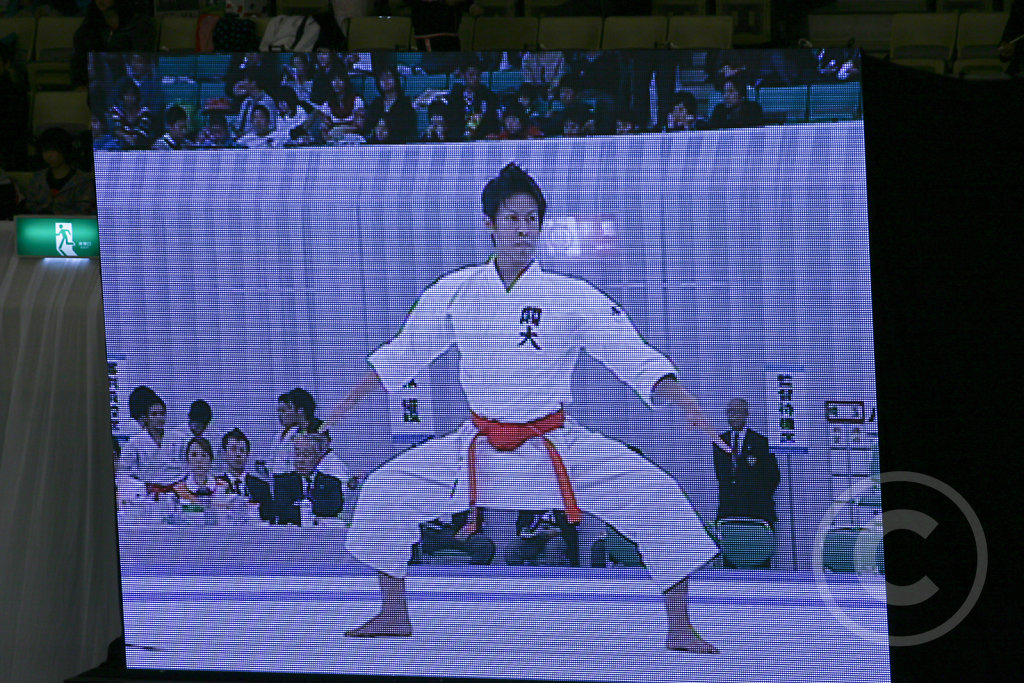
(543, 71)
(139, 69)
(294, 126)
(176, 137)
(130, 122)
(261, 135)
(240, 482)
(515, 125)
(217, 133)
(246, 93)
(109, 26)
(325, 64)
(435, 23)
(393, 108)
(599, 75)
(627, 122)
(299, 76)
(735, 110)
(682, 113)
(14, 125)
(307, 481)
(343, 115)
(472, 107)
(199, 416)
(747, 478)
(534, 106)
(452, 533)
(437, 123)
(544, 537)
(568, 101)
(155, 457)
(60, 188)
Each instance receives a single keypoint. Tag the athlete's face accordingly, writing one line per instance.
(516, 229)
(731, 94)
(156, 416)
(197, 427)
(236, 455)
(286, 414)
(199, 461)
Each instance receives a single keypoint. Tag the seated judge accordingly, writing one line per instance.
(199, 486)
(452, 533)
(235, 445)
(306, 481)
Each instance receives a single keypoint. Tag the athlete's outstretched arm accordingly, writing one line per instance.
(367, 385)
(669, 390)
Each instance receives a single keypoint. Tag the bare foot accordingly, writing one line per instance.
(690, 641)
(383, 625)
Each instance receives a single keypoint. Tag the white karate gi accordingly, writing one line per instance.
(518, 351)
(163, 464)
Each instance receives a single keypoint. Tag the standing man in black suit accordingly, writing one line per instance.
(235, 445)
(307, 482)
(746, 481)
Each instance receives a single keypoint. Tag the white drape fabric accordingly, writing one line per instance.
(59, 584)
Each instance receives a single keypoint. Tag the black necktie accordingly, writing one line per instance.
(309, 487)
(238, 486)
(735, 450)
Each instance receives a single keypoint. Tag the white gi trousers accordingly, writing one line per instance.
(611, 481)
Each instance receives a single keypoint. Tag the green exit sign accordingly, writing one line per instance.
(58, 236)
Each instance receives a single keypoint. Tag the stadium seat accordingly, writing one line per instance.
(176, 65)
(25, 30)
(869, 32)
(976, 42)
(624, 33)
(834, 102)
(302, 7)
(570, 33)
(504, 33)
(746, 543)
(178, 33)
(213, 67)
(63, 109)
(210, 90)
(503, 8)
(792, 101)
(466, 26)
(875, 6)
(707, 98)
(679, 8)
(923, 41)
(620, 550)
(505, 81)
(415, 85)
(840, 553)
(379, 33)
(700, 32)
(540, 8)
(54, 45)
(366, 86)
(21, 179)
(752, 22)
(261, 24)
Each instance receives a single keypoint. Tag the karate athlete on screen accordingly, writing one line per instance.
(519, 331)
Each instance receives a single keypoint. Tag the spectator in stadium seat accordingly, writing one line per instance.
(435, 23)
(515, 125)
(240, 482)
(472, 106)
(294, 124)
(261, 135)
(131, 123)
(544, 537)
(246, 93)
(682, 114)
(568, 102)
(577, 122)
(343, 114)
(109, 26)
(452, 533)
(299, 76)
(307, 481)
(199, 486)
(176, 137)
(139, 69)
(14, 122)
(599, 78)
(60, 188)
(216, 133)
(437, 123)
(735, 110)
(393, 108)
(199, 416)
(627, 122)
(322, 69)
(544, 70)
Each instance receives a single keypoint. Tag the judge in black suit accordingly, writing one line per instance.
(323, 490)
(746, 482)
(235, 445)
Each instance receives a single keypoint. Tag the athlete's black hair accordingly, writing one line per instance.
(203, 444)
(175, 114)
(141, 400)
(200, 411)
(235, 434)
(511, 181)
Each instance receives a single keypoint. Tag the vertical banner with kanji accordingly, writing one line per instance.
(120, 420)
(788, 417)
(412, 409)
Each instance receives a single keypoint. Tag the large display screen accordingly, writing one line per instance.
(531, 366)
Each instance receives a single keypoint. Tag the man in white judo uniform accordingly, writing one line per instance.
(519, 331)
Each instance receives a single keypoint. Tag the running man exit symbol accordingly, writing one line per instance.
(65, 239)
